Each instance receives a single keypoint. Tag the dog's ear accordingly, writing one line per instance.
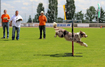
(65, 32)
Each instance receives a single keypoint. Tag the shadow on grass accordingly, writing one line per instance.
(60, 55)
(6, 40)
(65, 55)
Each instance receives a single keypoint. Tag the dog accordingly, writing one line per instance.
(62, 33)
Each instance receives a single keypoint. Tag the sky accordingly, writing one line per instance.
(29, 7)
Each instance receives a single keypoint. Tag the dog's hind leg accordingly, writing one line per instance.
(82, 43)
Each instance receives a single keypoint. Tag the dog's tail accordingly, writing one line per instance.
(55, 25)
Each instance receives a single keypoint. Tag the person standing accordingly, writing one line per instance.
(5, 23)
(15, 22)
(42, 25)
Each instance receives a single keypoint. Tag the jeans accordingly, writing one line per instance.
(13, 32)
(44, 31)
(5, 25)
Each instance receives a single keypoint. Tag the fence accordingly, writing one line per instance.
(63, 24)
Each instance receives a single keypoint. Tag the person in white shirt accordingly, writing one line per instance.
(15, 21)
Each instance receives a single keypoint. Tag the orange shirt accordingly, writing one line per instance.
(42, 20)
(4, 17)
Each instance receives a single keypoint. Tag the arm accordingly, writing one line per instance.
(11, 21)
(21, 19)
(8, 18)
(45, 19)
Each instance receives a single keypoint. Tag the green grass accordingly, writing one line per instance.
(29, 51)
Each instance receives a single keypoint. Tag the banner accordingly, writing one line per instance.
(64, 11)
(64, 25)
(82, 25)
(36, 25)
(99, 10)
(47, 25)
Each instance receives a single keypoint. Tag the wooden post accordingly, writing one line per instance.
(73, 38)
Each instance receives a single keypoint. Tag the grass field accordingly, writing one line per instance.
(29, 51)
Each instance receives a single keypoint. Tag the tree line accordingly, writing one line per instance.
(52, 13)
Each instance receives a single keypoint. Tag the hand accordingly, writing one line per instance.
(5, 18)
(18, 20)
(10, 24)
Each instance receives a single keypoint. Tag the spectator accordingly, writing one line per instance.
(5, 23)
(15, 22)
(42, 23)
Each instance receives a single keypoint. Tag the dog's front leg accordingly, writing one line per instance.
(56, 34)
(82, 43)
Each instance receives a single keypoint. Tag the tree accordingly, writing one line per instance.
(29, 20)
(90, 13)
(36, 18)
(70, 9)
(102, 16)
(52, 11)
(60, 20)
(79, 16)
(39, 9)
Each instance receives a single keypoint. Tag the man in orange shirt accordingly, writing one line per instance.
(42, 25)
(5, 23)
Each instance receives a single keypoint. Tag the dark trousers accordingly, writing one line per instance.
(5, 25)
(42, 28)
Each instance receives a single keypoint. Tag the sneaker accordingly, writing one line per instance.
(12, 39)
(7, 37)
(17, 39)
(44, 38)
(3, 38)
(40, 38)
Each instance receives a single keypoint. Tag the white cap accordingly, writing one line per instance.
(41, 12)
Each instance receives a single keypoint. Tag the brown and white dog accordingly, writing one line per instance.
(68, 35)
